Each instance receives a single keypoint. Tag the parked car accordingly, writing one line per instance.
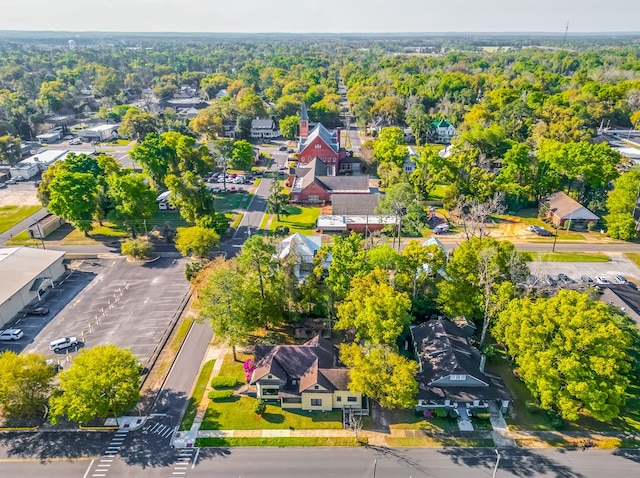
(19, 178)
(565, 279)
(282, 148)
(233, 189)
(37, 311)
(11, 334)
(550, 281)
(75, 141)
(532, 228)
(215, 189)
(541, 231)
(63, 343)
(3, 185)
(69, 136)
(620, 279)
(441, 228)
(10, 181)
(602, 280)
(587, 280)
(290, 150)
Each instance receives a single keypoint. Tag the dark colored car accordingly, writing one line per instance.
(543, 232)
(564, 279)
(282, 148)
(550, 281)
(38, 311)
(587, 280)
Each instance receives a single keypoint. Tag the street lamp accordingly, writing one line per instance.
(495, 468)
(555, 238)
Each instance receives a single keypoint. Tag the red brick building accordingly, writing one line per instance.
(311, 184)
(319, 143)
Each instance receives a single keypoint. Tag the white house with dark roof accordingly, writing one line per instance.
(442, 131)
(452, 372)
(266, 128)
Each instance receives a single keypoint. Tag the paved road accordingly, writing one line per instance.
(346, 463)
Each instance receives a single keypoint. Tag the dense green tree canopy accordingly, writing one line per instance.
(571, 352)
(196, 241)
(26, 384)
(381, 374)
(102, 381)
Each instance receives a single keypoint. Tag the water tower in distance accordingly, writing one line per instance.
(72, 45)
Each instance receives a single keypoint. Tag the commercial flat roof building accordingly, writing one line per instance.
(25, 273)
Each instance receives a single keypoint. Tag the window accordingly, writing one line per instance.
(316, 387)
(352, 399)
(272, 392)
(292, 400)
(458, 377)
(338, 398)
(318, 146)
(316, 402)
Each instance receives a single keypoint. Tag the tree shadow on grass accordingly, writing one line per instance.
(273, 417)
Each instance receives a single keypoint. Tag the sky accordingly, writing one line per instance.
(319, 16)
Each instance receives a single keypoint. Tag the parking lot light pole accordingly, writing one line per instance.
(555, 239)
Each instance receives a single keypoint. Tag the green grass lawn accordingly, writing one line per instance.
(408, 420)
(161, 216)
(440, 442)
(196, 396)
(438, 192)
(106, 233)
(231, 368)
(12, 215)
(225, 202)
(237, 414)
(300, 219)
(282, 441)
(23, 239)
(568, 257)
(633, 257)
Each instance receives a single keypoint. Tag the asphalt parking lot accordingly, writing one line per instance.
(109, 301)
(618, 265)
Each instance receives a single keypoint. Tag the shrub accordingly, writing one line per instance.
(224, 382)
(453, 413)
(555, 420)
(260, 407)
(483, 416)
(220, 395)
(281, 231)
(136, 248)
(440, 412)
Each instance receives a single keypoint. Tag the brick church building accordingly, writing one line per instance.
(319, 143)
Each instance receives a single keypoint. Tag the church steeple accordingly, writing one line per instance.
(304, 121)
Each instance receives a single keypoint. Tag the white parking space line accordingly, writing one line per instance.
(88, 469)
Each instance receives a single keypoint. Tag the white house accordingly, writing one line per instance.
(264, 128)
(302, 250)
(409, 165)
(442, 131)
(99, 132)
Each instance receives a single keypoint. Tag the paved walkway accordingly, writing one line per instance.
(500, 433)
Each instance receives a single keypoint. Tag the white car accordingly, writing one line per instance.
(11, 334)
(620, 279)
(602, 280)
(63, 343)
(75, 141)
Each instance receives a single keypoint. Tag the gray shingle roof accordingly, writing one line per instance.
(303, 112)
(330, 138)
(568, 208)
(354, 204)
(443, 350)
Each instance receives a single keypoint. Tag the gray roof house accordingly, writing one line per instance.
(563, 209)
(264, 128)
(452, 372)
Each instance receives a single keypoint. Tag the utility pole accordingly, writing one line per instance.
(495, 469)
(566, 30)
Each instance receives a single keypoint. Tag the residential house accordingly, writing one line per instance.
(307, 377)
(409, 165)
(301, 250)
(441, 132)
(265, 128)
(452, 372)
(567, 212)
(221, 94)
(319, 143)
(311, 183)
